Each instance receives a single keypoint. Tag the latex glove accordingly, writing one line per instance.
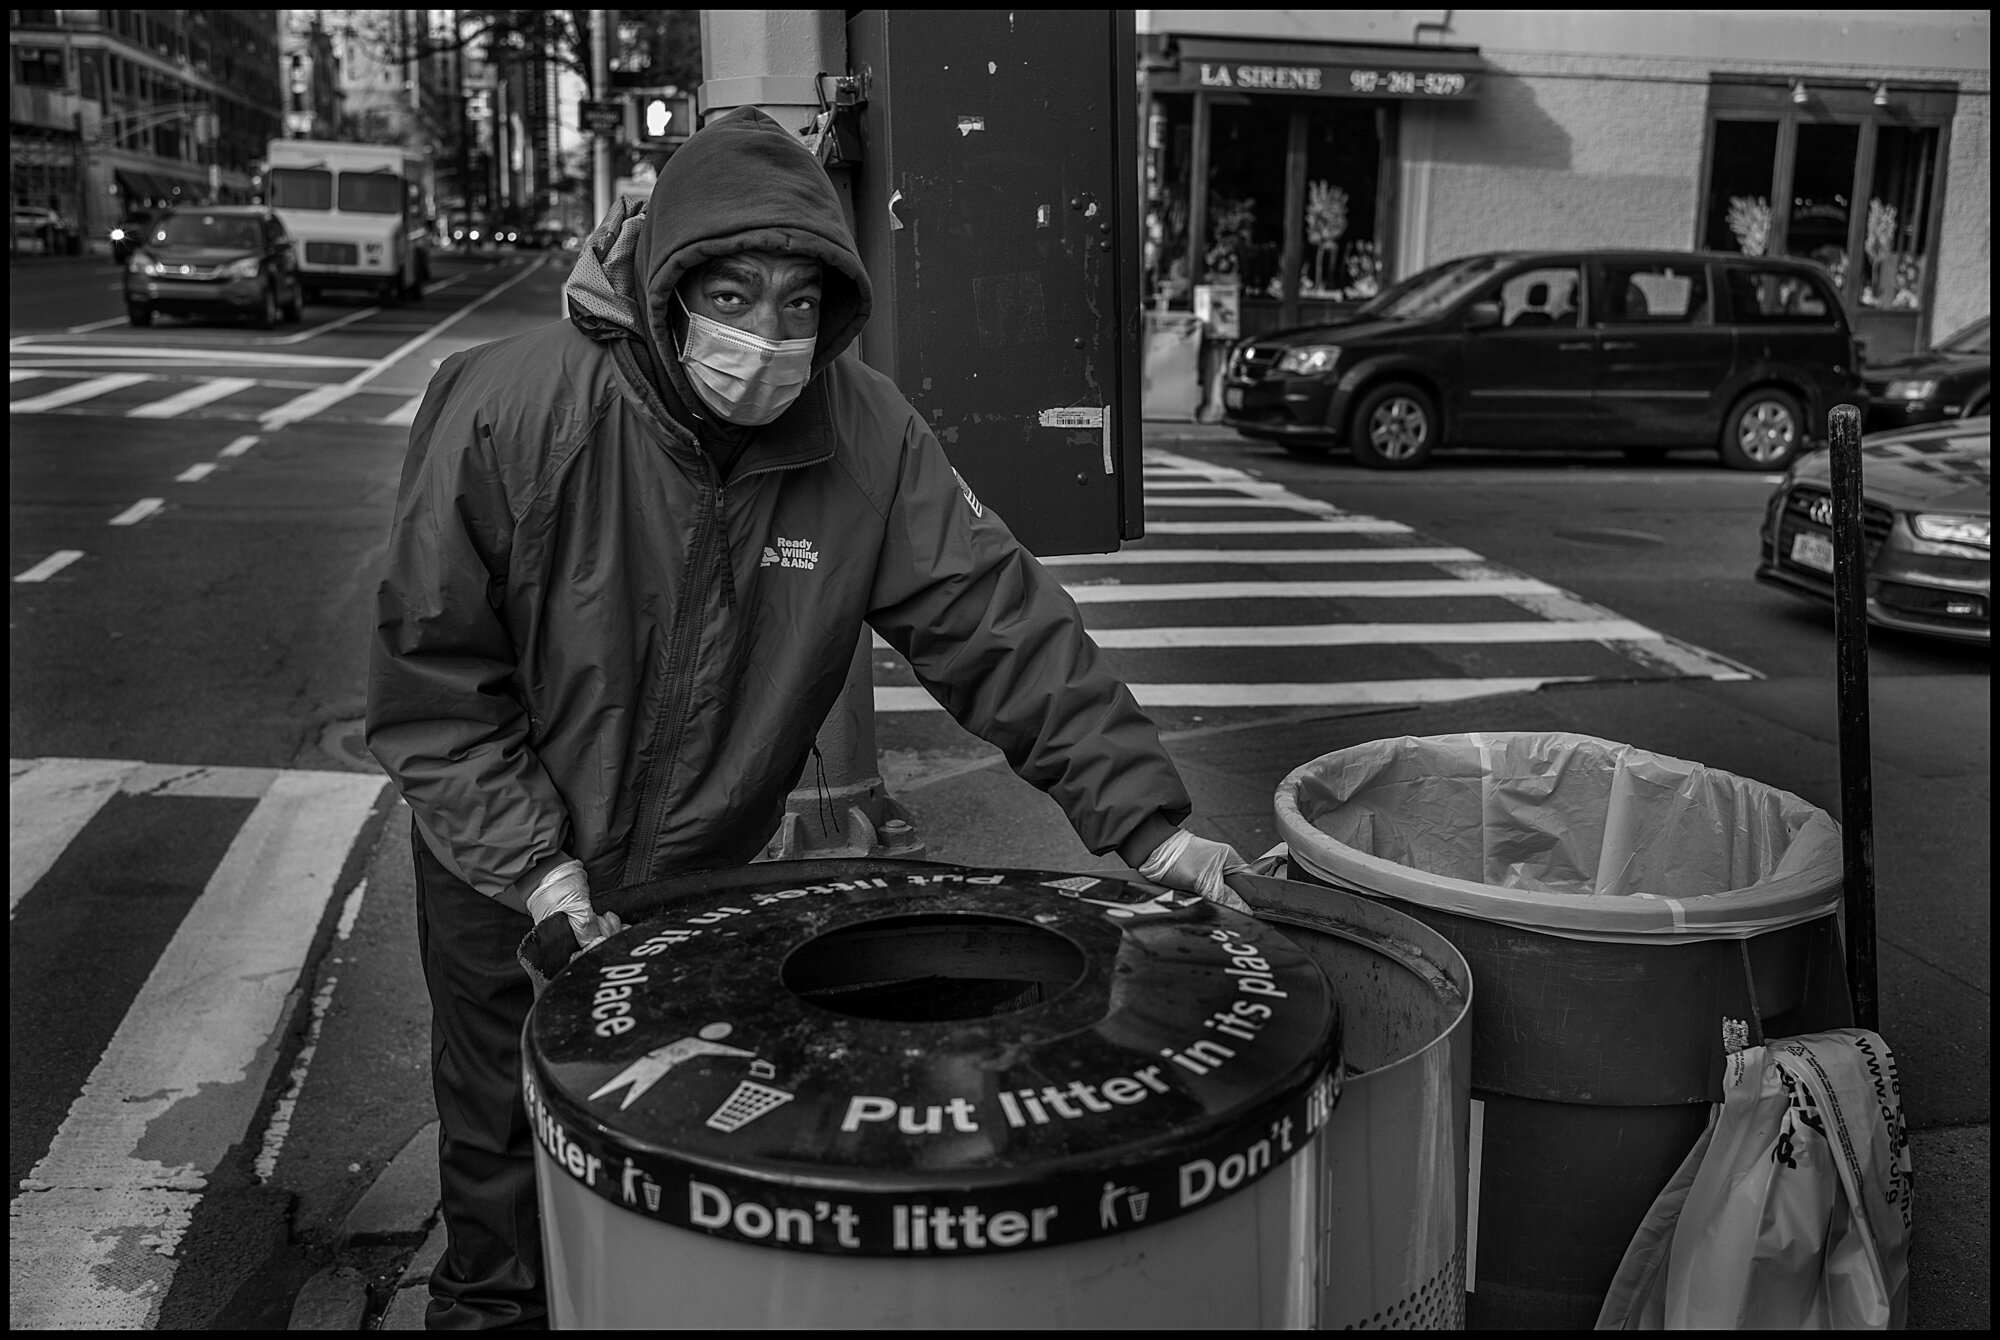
(1194, 864)
(565, 890)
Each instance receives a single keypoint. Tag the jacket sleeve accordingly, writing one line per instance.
(445, 718)
(1001, 645)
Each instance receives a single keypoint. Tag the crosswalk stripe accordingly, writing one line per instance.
(48, 802)
(404, 414)
(21, 375)
(1357, 693)
(201, 393)
(1289, 502)
(1338, 525)
(88, 389)
(138, 512)
(1519, 631)
(1193, 485)
(305, 406)
(1417, 589)
(92, 1239)
(1146, 557)
(49, 566)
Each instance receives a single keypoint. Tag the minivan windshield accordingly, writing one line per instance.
(1433, 291)
(236, 231)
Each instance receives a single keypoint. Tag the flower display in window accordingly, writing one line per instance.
(1326, 224)
(1750, 223)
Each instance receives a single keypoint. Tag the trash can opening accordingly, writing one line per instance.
(933, 967)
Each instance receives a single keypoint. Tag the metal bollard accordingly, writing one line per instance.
(1850, 623)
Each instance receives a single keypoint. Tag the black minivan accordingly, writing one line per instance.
(1644, 350)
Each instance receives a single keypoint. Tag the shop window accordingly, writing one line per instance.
(1742, 161)
(1246, 200)
(1775, 298)
(1822, 182)
(38, 67)
(1899, 203)
(1341, 257)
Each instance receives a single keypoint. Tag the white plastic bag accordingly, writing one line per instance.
(1792, 1211)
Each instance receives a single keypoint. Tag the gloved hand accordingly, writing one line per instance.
(1194, 864)
(566, 890)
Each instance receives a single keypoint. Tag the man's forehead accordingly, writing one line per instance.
(763, 266)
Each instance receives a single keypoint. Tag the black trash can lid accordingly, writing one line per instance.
(937, 1060)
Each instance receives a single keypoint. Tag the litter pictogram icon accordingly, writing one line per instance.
(747, 1102)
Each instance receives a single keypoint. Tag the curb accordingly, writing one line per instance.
(402, 1200)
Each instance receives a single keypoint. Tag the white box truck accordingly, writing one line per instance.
(358, 213)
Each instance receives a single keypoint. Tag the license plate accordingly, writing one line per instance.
(1812, 551)
(1232, 397)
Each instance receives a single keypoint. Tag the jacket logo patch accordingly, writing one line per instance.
(970, 500)
(790, 554)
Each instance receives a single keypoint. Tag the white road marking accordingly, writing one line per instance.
(1360, 693)
(194, 474)
(1518, 631)
(146, 353)
(47, 806)
(138, 512)
(1290, 502)
(1416, 588)
(404, 414)
(240, 445)
(205, 392)
(305, 406)
(1346, 525)
(98, 325)
(280, 1125)
(1154, 485)
(93, 1237)
(88, 389)
(17, 375)
(49, 566)
(1127, 557)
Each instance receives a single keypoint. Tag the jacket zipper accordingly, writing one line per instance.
(642, 851)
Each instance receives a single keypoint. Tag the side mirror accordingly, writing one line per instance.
(1482, 315)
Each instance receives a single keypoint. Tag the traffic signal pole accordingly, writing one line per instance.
(603, 23)
(772, 59)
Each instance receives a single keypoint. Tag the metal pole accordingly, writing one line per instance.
(1850, 622)
(602, 25)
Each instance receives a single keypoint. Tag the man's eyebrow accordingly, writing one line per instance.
(736, 272)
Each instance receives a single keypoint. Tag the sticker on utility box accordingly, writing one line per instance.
(1072, 418)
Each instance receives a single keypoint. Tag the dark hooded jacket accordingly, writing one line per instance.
(591, 643)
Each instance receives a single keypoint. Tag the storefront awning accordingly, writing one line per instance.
(139, 188)
(1324, 69)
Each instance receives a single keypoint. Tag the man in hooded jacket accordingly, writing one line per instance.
(632, 553)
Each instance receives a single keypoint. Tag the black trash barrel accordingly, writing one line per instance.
(930, 1095)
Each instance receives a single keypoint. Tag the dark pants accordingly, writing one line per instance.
(490, 1276)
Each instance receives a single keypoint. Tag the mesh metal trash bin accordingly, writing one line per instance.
(1629, 918)
(933, 1096)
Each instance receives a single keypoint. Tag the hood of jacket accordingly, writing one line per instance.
(741, 183)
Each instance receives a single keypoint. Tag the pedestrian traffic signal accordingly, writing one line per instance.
(657, 116)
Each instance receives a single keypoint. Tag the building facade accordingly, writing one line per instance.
(118, 110)
(1340, 150)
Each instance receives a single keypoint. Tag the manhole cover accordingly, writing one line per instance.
(1608, 537)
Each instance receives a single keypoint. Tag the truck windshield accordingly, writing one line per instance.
(371, 193)
(300, 188)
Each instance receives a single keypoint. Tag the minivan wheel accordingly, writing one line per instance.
(1395, 428)
(1765, 430)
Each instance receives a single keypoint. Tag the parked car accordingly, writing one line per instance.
(1644, 350)
(1927, 521)
(45, 231)
(1952, 379)
(221, 260)
(127, 234)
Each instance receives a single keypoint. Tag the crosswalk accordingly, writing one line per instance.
(1336, 610)
(270, 402)
(94, 1226)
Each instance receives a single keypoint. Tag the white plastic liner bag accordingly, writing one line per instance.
(1561, 833)
(1793, 1210)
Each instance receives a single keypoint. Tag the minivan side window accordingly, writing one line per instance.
(1759, 297)
(1655, 293)
(1543, 298)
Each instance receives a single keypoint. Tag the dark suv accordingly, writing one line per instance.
(1644, 350)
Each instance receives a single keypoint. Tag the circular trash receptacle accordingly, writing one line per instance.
(1395, 1171)
(932, 1095)
(1629, 919)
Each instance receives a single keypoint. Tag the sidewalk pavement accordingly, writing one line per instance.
(1932, 873)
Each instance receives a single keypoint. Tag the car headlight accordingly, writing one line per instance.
(142, 264)
(117, 234)
(1911, 390)
(1954, 529)
(247, 268)
(1308, 359)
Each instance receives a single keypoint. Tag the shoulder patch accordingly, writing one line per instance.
(978, 509)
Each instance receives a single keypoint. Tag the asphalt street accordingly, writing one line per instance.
(197, 513)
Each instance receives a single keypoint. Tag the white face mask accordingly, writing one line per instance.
(744, 378)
